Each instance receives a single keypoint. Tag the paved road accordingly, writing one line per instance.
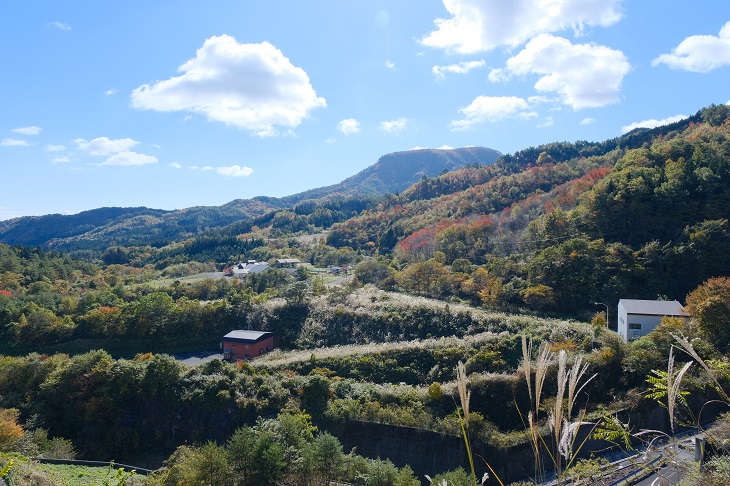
(679, 460)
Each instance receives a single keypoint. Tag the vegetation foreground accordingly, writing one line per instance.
(464, 344)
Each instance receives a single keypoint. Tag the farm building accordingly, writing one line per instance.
(246, 345)
(638, 318)
(243, 269)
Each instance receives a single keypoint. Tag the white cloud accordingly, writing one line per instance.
(207, 167)
(349, 126)
(699, 53)
(443, 147)
(175, 165)
(60, 25)
(482, 25)
(390, 65)
(492, 109)
(28, 130)
(194, 167)
(14, 142)
(55, 148)
(129, 158)
(587, 121)
(250, 86)
(584, 75)
(111, 91)
(105, 146)
(549, 121)
(234, 171)
(394, 126)
(61, 160)
(460, 68)
(652, 123)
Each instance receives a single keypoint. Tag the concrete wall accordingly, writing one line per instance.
(432, 453)
(429, 452)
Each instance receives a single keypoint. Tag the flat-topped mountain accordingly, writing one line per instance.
(97, 228)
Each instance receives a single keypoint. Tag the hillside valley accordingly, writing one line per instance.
(431, 287)
(95, 229)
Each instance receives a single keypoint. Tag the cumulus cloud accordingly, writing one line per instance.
(60, 25)
(117, 151)
(55, 148)
(175, 165)
(349, 126)
(61, 160)
(394, 126)
(111, 91)
(33, 130)
(549, 121)
(14, 142)
(250, 86)
(390, 65)
(587, 121)
(129, 158)
(234, 171)
(105, 146)
(460, 68)
(699, 53)
(482, 25)
(652, 123)
(492, 109)
(584, 75)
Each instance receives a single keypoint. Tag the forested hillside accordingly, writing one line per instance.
(440, 288)
(569, 228)
(90, 232)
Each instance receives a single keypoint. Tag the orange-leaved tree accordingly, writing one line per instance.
(10, 430)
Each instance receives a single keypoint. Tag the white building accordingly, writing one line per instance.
(252, 266)
(638, 318)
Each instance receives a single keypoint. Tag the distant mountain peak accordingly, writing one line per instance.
(97, 228)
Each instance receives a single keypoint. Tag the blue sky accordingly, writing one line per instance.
(172, 104)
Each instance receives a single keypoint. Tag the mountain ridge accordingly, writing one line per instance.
(100, 227)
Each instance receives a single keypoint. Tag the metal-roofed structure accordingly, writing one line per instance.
(638, 318)
(249, 267)
(246, 345)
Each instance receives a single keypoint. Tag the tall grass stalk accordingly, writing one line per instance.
(673, 386)
(564, 432)
(687, 347)
(464, 397)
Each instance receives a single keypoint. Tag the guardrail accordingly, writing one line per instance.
(639, 469)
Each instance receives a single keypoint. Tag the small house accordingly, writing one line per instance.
(246, 345)
(638, 318)
(288, 263)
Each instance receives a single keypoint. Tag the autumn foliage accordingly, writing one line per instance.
(10, 430)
